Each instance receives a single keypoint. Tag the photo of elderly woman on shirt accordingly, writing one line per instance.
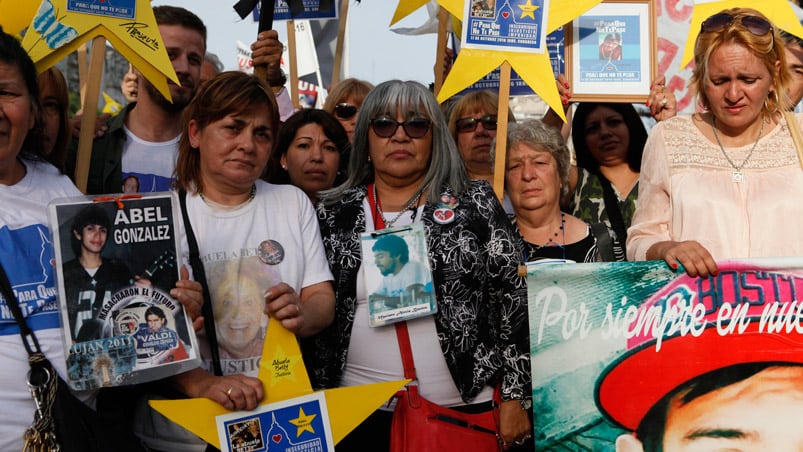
(405, 170)
(724, 183)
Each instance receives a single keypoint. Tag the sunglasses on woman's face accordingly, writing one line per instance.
(720, 21)
(345, 111)
(414, 128)
(469, 124)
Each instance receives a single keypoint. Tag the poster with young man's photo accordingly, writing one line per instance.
(116, 262)
(636, 356)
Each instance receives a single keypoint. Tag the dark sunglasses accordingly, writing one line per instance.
(345, 111)
(414, 128)
(720, 21)
(469, 124)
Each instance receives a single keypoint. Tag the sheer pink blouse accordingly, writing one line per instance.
(686, 192)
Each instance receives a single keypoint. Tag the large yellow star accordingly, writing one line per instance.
(527, 10)
(55, 32)
(779, 12)
(16, 15)
(534, 68)
(284, 376)
(303, 422)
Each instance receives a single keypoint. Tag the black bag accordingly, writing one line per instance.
(61, 422)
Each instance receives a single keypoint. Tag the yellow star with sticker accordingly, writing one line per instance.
(779, 12)
(56, 31)
(284, 376)
(534, 68)
(527, 10)
(303, 422)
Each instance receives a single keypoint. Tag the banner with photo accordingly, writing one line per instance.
(613, 344)
(116, 261)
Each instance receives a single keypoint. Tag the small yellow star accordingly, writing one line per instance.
(303, 422)
(528, 10)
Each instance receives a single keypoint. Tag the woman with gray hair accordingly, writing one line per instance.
(536, 178)
(405, 172)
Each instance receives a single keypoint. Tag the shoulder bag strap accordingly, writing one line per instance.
(200, 275)
(42, 378)
(28, 337)
(612, 209)
(794, 129)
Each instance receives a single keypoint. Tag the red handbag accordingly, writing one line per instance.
(422, 426)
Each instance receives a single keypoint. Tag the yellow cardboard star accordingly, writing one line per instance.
(527, 10)
(129, 25)
(779, 12)
(303, 422)
(16, 15)
(284, 376)
(534, 68)
(407, 7)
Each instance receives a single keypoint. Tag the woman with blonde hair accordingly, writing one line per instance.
(721, 183)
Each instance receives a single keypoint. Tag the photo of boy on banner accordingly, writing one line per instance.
(699, 364)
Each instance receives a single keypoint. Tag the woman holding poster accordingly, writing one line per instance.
(257, 263)
(719, 184)
(405, 175)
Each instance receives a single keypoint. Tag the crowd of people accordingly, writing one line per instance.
(277, 203)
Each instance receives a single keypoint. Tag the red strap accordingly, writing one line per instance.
(402, 335)
(379, 222)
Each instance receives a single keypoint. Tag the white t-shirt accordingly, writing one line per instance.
(412, 272)
(282, 221)
(152, 163)
(26, 253)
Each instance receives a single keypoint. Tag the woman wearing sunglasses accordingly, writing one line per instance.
(344, 101)
(720, 183)
(472, 124)
(405, 173)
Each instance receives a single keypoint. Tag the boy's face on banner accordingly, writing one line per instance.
(760, 413)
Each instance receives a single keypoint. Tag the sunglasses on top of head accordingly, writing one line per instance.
(345, 111)
(414, 128)
(469, 124)
(754, 24)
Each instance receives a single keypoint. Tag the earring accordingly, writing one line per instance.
(369, 159)
(284, 167)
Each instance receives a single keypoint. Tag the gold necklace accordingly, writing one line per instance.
(737, 175)
(220, 206)
(411, 205)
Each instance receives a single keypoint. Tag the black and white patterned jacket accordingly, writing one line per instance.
(482, 302)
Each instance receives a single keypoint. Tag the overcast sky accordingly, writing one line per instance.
(376, 54)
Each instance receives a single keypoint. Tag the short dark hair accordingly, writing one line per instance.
(394, 245)
(91, 214)
(287, 133)
(155, 310)
(13, 54)
(651, 429)
(174, 15)
(638, 134)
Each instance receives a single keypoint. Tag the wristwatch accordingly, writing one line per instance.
(526, 404)
(278, 80)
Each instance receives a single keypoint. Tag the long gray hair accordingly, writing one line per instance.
(392, 97)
